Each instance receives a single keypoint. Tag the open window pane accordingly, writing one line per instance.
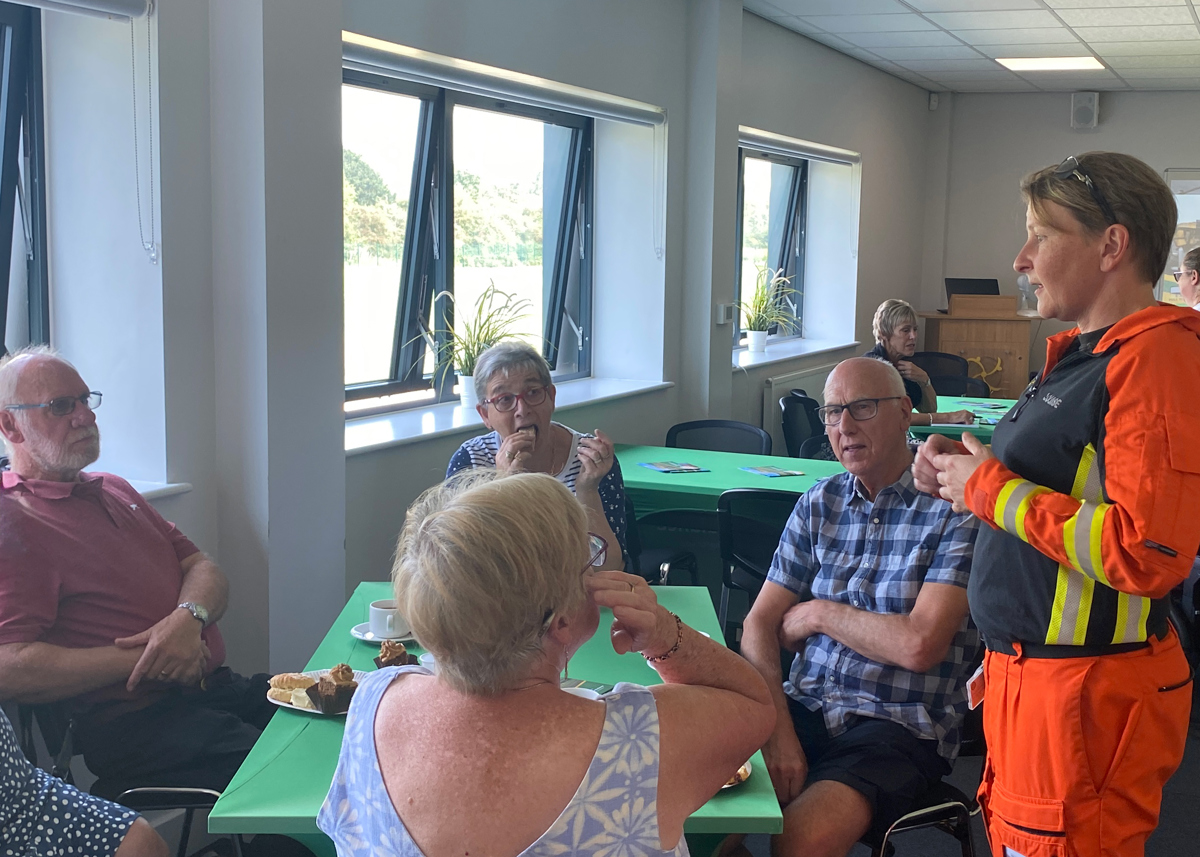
(766, 221)
(379, 139)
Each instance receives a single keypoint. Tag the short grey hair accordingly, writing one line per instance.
(891, 376)
(507, 358)
(10, 375)
(482, 566)
(890, 315)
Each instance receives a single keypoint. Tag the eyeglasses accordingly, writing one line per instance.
(508, 401)
(60, 406)
(1071, 168)
(599, 548)
(1180, 273)
(860, 409)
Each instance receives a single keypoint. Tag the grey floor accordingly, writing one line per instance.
(1178, 830)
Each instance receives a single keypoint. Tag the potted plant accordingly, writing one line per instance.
(496, 316)
(765, 309)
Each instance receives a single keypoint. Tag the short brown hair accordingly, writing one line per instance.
(1139, 198)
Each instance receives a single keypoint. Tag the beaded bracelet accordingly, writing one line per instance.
(674, 648)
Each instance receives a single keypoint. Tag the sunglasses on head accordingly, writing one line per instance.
(1072, 169)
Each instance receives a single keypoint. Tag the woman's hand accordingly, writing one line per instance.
(955, 469)
(961, 417)
(912, 372)
(639, 623)
(515, 450)
(595, 459)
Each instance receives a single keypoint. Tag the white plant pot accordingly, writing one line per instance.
(756, 340)
(466, 391)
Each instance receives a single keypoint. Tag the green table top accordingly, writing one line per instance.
(282, 784)
(652, 491)
(991, 409)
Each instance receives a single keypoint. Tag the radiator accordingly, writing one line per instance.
(811, 380)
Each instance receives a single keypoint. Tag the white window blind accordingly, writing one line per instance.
(124, 9)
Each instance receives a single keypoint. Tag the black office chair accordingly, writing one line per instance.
(58, 734)
(939, 363)
(665, 564)
(749, 524)
(818, 449)
(943, 806)
(800, 420)
(720, 436)
(960, 385)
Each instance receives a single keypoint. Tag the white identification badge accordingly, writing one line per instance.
(975, 690)
(1008, 852)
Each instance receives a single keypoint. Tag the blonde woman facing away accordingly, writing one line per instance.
(489, 756)
(895, 329)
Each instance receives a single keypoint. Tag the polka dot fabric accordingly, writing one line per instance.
(43, 816)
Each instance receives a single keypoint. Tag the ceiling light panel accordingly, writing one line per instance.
(1140, 16)
(869, 23)
(994, 20)
(1022, 64)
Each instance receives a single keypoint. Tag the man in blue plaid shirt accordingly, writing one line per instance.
(868, 587)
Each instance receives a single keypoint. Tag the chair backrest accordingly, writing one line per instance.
(817, 448)
(720, 436)
(940, 363)
(959, 385)
(800, 421)
(750, 522)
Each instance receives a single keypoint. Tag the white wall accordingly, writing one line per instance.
(995, 139)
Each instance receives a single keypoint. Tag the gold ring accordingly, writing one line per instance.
(631, 587)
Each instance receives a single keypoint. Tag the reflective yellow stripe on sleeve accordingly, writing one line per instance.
(1012, 503)
(1081, 538)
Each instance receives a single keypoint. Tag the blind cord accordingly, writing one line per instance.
(150, 246)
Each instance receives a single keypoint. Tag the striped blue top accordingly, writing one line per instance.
(841, 547)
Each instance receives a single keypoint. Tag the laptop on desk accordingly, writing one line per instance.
(969, 286)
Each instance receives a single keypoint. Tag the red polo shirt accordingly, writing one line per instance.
(83, 563)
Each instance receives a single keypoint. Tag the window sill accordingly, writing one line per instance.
(788, 349)
(158, 490)
(416, 424)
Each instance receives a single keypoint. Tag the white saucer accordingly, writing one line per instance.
(362, 632)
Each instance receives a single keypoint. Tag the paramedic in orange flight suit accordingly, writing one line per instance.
(1090, 488)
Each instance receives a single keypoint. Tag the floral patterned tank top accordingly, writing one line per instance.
(613, 813)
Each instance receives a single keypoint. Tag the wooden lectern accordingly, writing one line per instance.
(988, 333)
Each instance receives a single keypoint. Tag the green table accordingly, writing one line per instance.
(652, 491)
(282, 784)
(985, 408)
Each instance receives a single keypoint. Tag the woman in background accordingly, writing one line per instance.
(1188, 277)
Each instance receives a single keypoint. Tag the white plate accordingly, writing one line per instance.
(749, 771)
(359, 675)
(362, 632)
(584, 692)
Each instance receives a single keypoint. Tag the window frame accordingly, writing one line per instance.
(22, 122)
(427, 266)
(792, 248)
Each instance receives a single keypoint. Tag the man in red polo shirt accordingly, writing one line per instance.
(107, 607)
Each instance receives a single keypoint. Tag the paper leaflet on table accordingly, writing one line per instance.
(674, 467)
(772, 471)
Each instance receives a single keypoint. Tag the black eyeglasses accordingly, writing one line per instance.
(1071, 168)
(508, 401)
(60, 406)
(860, 409)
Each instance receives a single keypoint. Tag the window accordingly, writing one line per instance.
(24, 288)
(445, 195)
(772, 203)
(1185, 185)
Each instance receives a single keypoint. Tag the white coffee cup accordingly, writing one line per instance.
(385, 622)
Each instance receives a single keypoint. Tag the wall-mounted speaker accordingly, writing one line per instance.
(1085, 109)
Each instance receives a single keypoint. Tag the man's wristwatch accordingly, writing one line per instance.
(197, 610)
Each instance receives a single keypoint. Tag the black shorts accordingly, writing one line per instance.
(879, 759)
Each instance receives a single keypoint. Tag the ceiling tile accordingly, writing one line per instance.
(761, 7)
(951, 65)
(869, 23)
(1127, 17)
(1178, 71)
(946, 53)
(1169, 83)
(839, 7)
(994, 20)
(950, 76)
(1008, 37)
(991, 86)
(1054, 49)
(972, 5)
(832, 41)
(1158, 61)
(928, 38)
(800, 26)
(1137, 34)
(1095, 4)
(1118, 49)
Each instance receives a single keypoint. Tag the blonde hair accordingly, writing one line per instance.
(1139, 198)
(1191, 259)
(890, 315)
(482, 564)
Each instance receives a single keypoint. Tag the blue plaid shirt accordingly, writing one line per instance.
(839, 546)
